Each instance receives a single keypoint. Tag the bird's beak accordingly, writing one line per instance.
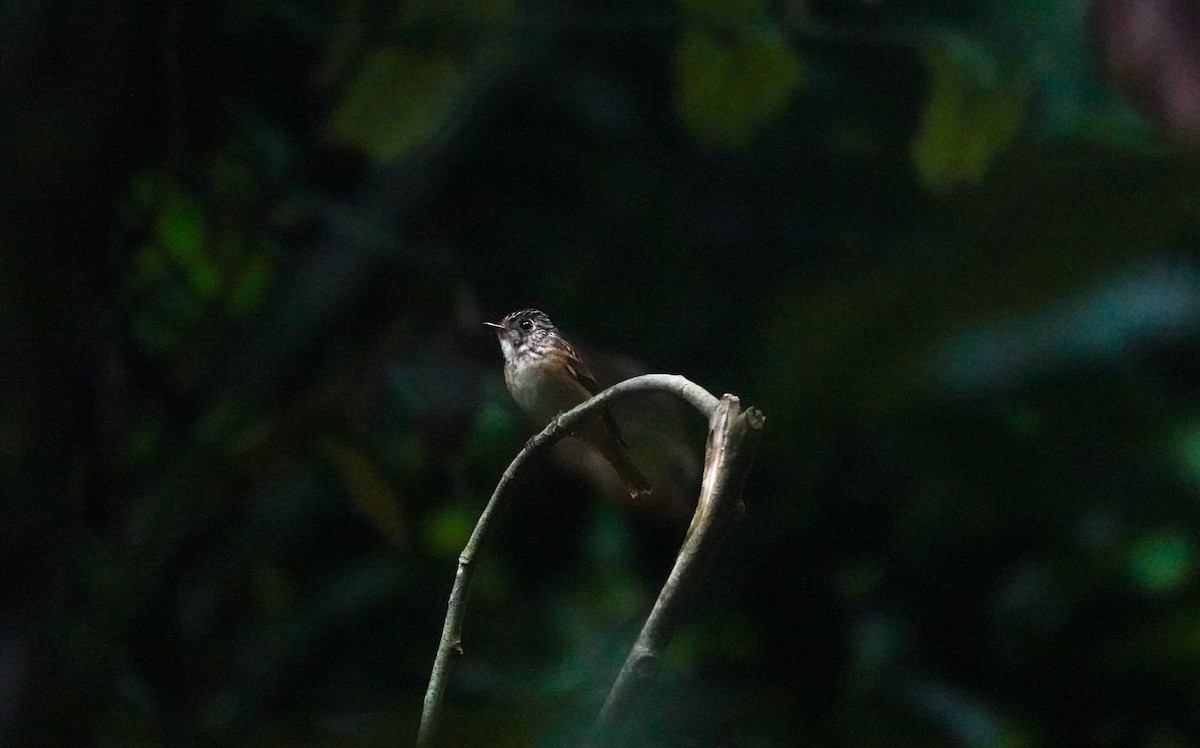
(496, 325)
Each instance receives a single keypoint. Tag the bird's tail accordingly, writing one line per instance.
(617, 456)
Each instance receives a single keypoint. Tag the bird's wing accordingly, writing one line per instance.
(584, 377)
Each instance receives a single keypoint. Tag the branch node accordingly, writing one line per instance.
(646, 666)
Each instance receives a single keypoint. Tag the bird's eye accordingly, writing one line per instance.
(526, 325)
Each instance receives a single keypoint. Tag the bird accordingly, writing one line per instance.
(545, 376)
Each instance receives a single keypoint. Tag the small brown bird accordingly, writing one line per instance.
(546, 377)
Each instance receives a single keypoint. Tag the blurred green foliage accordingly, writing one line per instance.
(248, 415)
(967, 120)
(730, 87)
(397, 103)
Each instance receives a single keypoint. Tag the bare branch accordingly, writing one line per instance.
(450, 647)
(731, 441)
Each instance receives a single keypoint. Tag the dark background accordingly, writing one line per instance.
(248, 414)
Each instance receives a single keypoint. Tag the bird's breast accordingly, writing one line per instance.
(540, 388)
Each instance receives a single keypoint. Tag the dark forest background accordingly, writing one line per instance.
(249, 415)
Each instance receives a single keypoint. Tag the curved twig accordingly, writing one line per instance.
(450, 646)
(732, 437)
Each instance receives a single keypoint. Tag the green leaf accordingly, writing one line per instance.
(447, 530)
(729, 88)
(181, 228)
(969, 119)
(398, 102)
(182, 231)
(1162, 562)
